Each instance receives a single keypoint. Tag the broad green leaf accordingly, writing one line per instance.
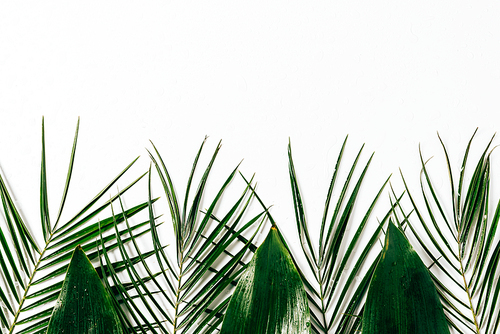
(84, 306)
(270, 296)
(402, 298)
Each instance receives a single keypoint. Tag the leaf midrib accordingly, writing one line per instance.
(28, 286)
(467, 289)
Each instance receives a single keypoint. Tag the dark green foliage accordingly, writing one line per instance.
(402, 298)
(196, 271)
(336, 306)
(84, 305)
(186, 290)
(458, 234)
(33, 273)
(270, 297)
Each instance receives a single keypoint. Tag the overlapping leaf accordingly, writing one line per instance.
(84, 305)
(336, 307)
(402, 298)
(187, 294)
(458, 237)
(270, 297)
(31, 274)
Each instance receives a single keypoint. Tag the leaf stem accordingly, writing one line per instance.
(467, 289)
(177, 295)
(322, 297)
(18, 312)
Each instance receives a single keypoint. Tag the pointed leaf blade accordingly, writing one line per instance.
(270, 296)
(402, 298)
(84, 306)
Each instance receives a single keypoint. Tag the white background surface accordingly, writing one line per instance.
(388, 73)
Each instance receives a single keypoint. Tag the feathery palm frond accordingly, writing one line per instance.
(460, 241)
(334, 302)
(187, 295)
(32, 275)
(336, 307)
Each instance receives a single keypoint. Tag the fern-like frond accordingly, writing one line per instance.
(336, 302)
(32, 274)
(188, 293)
(337, 307)
(458, 238)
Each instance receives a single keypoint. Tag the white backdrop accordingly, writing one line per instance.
(254, 74)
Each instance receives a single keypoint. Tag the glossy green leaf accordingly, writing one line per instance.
(402, 298)
(84, 306)
(270, 296)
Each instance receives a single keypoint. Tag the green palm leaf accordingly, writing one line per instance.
(459, 240)
(270, 296)
(84, 305)
(336, 303)
(32, 275)
(333, 304)
(186, 293)
(402, 298)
